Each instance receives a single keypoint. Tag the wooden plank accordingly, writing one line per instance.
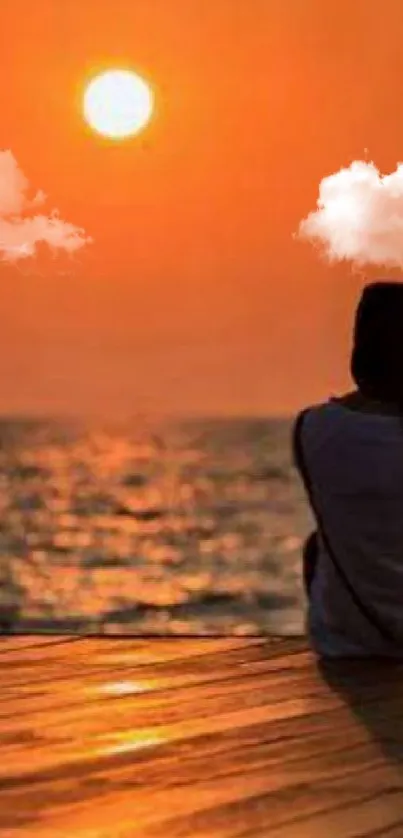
(225, 738)
(8, 645)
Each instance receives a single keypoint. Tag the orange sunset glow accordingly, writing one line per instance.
(173, 282)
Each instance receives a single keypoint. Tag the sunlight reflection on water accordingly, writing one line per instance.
(188, 527)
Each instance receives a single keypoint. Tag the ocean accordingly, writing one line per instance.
(151, 527)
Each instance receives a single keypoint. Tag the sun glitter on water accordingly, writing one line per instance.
(118, 104)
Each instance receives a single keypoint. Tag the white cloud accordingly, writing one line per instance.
(359, 216)
(21, 230)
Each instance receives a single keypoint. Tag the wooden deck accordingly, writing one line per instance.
(112, 738)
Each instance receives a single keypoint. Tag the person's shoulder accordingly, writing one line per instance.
(314, 408)
(303, 419)
(310, 419)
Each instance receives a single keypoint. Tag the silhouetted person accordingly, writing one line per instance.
(349, 451)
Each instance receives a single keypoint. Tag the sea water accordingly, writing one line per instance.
(151, 527)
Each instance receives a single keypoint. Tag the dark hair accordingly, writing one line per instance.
(377, 356)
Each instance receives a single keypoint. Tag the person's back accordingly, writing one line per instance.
(353, 453)
(355, 461)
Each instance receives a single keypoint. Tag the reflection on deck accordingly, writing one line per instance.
(236, 738)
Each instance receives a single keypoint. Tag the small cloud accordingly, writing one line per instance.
(359, 216)
(21, 230)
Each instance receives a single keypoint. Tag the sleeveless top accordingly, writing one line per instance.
(355, 464)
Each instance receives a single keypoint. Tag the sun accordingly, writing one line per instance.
(118, 103)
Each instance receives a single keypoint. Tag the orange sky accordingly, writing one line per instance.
(193, 297)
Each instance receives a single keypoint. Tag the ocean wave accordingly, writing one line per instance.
(90, 514)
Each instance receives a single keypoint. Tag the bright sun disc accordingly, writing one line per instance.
(118, 103)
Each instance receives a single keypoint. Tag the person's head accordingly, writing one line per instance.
(377, 356)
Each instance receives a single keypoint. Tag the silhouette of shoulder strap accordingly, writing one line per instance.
(299, 461)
